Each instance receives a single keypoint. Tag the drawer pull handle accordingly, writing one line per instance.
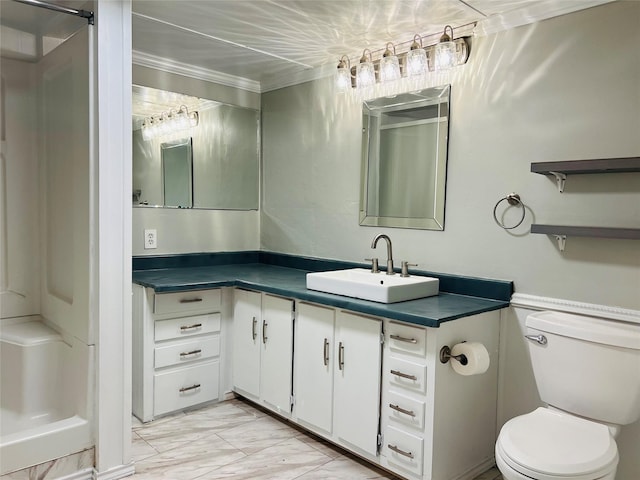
(192, 352)
(190, 300)
(403, 375)
(403, 339)
(325, 352)
(254, 324)
(340, 356)
(190, 327)
(401, 452)
(192, 387)
(398, 408)
(264, 331)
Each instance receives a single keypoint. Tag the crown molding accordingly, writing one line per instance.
(146, 60)
(287, 80)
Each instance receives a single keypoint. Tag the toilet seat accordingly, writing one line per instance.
(548, 445)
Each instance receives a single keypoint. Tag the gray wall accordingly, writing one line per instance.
(184, 230)
(563, 89)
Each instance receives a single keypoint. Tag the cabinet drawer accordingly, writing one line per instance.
(187, 302)
(178, 389)
(407, 339)
(186, 326)
(184, 352)
(407, 374)
(403, 449)
(405, 410)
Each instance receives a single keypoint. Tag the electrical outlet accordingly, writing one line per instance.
(150, 238)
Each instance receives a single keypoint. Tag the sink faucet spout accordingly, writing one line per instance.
(389, 251)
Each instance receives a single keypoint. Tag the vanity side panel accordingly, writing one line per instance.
(464, 428)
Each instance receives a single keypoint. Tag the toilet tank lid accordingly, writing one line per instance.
(592, 329)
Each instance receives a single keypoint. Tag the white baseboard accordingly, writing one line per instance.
(534, 302)
(85, 474)
(121, 471)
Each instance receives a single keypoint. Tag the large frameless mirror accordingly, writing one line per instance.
(223, 152)
(404, 160)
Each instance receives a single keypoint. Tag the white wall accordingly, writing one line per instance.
(186, 231)
(19, 198)
(563, 89)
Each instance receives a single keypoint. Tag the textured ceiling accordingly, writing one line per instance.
(260, 39)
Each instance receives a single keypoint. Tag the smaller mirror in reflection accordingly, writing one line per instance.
(404, 160)
(177, 173)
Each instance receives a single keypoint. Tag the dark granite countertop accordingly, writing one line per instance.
(291, 282)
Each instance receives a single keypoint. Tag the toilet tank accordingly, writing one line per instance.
(587, 366)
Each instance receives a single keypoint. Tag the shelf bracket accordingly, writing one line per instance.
(561, 178)
(562, 240)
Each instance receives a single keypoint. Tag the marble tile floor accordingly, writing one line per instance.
(235, 440)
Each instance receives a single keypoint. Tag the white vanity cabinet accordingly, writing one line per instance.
(337, 375)
(176, 350)
(437, 424)
(263, 348)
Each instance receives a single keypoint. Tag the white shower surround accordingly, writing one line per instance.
(44, 414)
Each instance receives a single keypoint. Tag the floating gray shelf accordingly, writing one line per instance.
(561, 169)
(562, 231)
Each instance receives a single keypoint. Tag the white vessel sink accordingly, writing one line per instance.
(377, 287)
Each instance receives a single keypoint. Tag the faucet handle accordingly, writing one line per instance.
(405, 268)
(374, 264)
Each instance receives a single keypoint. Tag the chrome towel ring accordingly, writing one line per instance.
(512, 199)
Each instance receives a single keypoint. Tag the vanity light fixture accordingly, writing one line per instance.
(445, 51)
(343, 74)
(169, 122)
(415, 62)
(365, 71)
(389, 65)
(418, 61)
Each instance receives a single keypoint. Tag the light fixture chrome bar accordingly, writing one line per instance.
(60, 9)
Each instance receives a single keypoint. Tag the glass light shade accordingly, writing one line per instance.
(182, 120)
(164, 126)
(194, 119)
(389, 69)
(365, 75)
(146, 132)
(343, 79)
(445, 55)
(416, 62)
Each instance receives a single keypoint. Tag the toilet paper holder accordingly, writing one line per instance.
(445, 355)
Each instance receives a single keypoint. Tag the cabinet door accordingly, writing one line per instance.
(313, 383)
(357, 380)
(276, 336)
(246, 341)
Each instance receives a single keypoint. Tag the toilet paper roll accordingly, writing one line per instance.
(477, 358)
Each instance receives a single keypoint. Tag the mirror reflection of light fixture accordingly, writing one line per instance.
(389, 65)
(365, 71)
(416, 59)
(343, 74)
(445, 51)
(169, 122)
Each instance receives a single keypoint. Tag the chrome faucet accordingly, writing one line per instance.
(389, 253)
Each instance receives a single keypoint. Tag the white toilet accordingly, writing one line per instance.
(588, 374)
